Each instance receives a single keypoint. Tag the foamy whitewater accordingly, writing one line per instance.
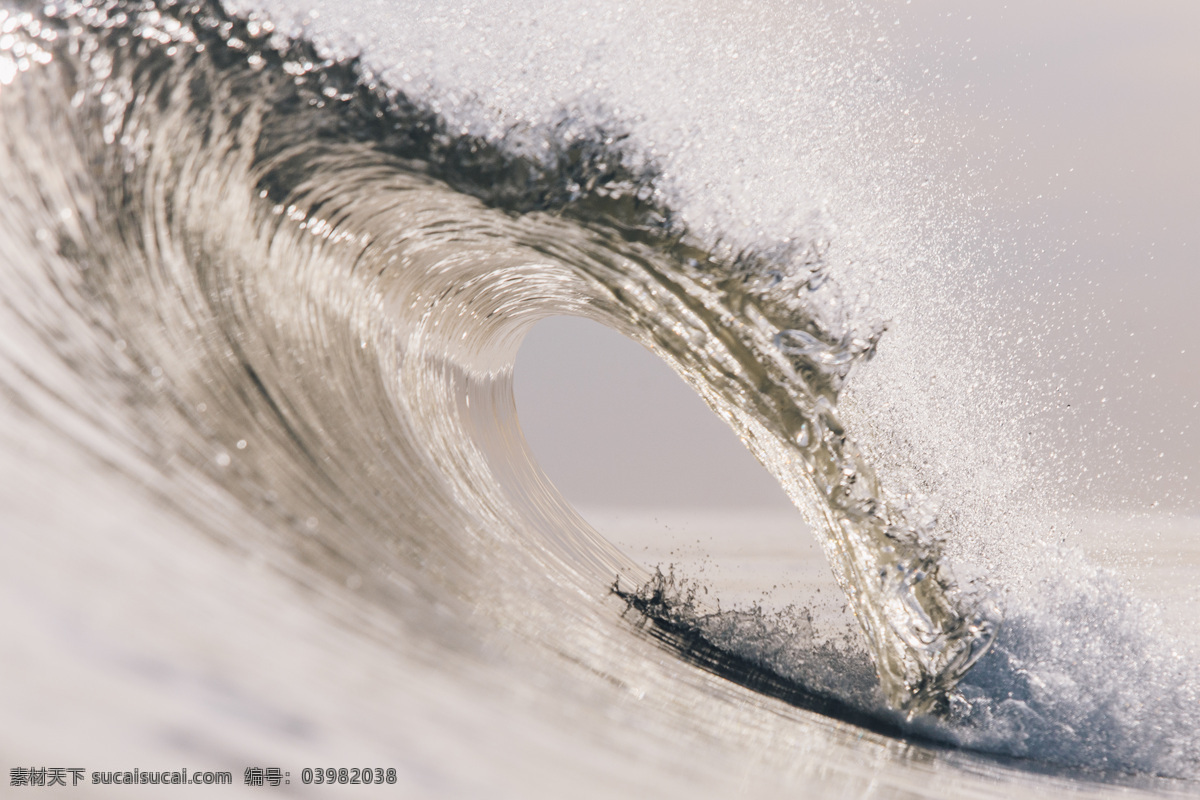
(266, 268)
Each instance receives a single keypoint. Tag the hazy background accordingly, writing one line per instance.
(1082, 125)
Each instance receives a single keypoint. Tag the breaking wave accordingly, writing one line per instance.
(231, 261)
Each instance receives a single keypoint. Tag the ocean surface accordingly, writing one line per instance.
(265, 269)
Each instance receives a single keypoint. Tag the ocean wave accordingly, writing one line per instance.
(234, 262)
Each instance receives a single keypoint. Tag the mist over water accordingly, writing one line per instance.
(263, 305)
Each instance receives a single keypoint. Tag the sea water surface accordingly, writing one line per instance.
(266, 269)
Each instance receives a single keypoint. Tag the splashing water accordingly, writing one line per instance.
(236, 260)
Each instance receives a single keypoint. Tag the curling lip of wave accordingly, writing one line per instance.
(756, 333)
(264, 246)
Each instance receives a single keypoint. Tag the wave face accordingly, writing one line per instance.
(235, 265)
